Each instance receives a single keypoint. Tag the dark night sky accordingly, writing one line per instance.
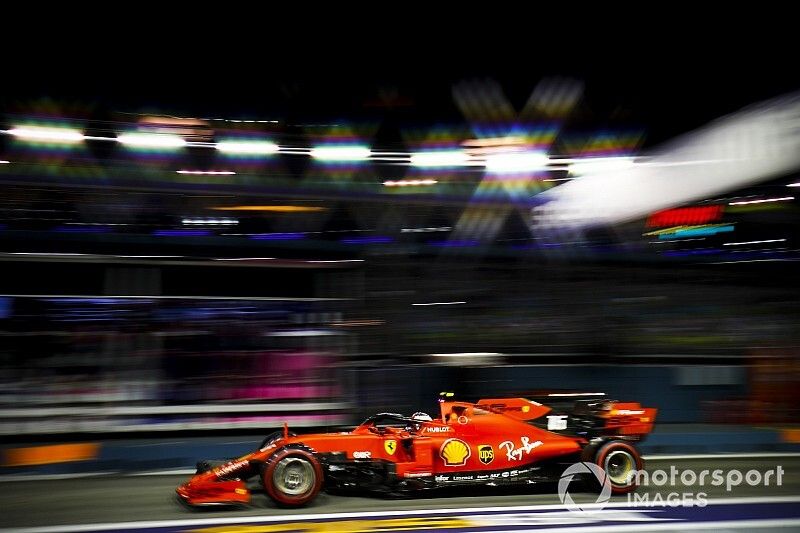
(668, 81)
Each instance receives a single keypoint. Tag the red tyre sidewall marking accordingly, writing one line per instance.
(301, 498)
(610, 447)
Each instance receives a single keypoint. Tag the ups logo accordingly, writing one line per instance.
(485, 453)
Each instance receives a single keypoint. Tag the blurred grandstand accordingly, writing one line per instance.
(165, 273)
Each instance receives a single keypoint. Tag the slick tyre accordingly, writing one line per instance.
(292, 477)
(272, 437)
(619, 460)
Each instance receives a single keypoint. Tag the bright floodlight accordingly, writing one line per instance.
(442, 158)
(516, 162)
(43, 134)
(596, 165)
(409, 183)
(247, 147)
(151, 140)
(207, 172)
(340, 153)
(756, 144)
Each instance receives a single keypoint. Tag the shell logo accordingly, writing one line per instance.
(455, 452)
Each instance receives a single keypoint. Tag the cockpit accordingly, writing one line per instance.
(454, 412)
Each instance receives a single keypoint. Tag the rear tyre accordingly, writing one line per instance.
(292, 477)
(619, 460)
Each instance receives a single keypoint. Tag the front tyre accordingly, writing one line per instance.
(292, 477)
(620, 461)
(272, 437)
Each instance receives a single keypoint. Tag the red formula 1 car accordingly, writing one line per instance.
(492, 442)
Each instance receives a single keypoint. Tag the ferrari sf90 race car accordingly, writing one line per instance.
(492, 442)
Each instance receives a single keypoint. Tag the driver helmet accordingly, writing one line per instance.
(420, 417)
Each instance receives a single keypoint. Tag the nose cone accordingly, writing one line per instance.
(183, 492)
(213, 493)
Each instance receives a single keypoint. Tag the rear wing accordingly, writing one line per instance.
(630, 418)
(617, 418)
(588, 417)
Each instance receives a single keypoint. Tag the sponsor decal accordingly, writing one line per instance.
(463, 419)
(437, 429)
(463, 478)
(390, 446)
(441, 478)
(455, 452)
(508, 473)
(485, 453)
(362, 455)
(515, 454)
(417, 474)
(504, 407)
(627, 412)
(557, 422)
(224, 470)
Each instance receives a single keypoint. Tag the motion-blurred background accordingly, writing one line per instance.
(215, 261)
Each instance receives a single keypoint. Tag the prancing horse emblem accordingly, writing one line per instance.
(390, 446)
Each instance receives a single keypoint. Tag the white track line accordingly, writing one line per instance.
(176, 472)
(55, 477)
(462, 511)
(673, 526)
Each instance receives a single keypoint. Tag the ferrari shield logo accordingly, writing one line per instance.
(485, 453)
(455, 452)
(390, 446)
